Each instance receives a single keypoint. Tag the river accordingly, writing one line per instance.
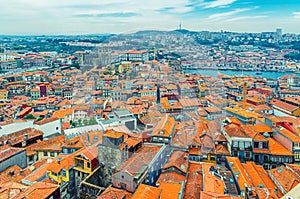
(264, 74)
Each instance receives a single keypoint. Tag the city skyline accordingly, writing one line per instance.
(126, 16)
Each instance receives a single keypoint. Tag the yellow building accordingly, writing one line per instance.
(59, 168)
(124, 67)
(3, 95)
(46, 154)
(85, 162)
(244, 115)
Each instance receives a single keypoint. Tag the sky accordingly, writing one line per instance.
(34, 17)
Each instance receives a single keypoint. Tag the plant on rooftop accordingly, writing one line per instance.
(39, 119)
(29, 117)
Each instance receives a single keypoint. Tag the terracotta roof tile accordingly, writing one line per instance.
(170, 190)
(47, 120)
(238, 170)
(275, 148)
(283, 105)
(178, 160)
(147, 192)
(171, 177)
(287, 178)
(260, 179)
(164, 127)
(138, 160)
(19, 136)
(9, 152)
(113, 193)
(194, 183)
(262, 128)
(212, 183)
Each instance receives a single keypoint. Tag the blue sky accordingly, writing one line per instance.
(125, 16)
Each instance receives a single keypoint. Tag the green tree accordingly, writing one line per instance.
(29, 117)
(85, 122)
(92, 121)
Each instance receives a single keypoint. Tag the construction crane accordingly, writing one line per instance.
(200, 91)
(244, 95)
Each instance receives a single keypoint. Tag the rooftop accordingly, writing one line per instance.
(287, 178)
(147, 192)
(9, 152)
(140, 159)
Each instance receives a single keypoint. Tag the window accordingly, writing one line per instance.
(247, 145)
(122, 177)
(235, 144)
(234, 153)
(64, 173)
(242, 145)
(45, 153)
(88, 165)
(56, 128)
(256, 144)
(247, 154)
(297, 155)
(265, 145)
(31, 158)
(52, 154)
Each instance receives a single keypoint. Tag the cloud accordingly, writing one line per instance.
(218, 3)
(78, 16)
(102, 15)
(245, 18)
(296, 15)
(224, 15)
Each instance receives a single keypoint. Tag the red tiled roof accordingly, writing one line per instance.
(114, 193)
(147, 192)
(142, 157)
(194, 183)
(9, 152)
(283, 105)
(178, 160)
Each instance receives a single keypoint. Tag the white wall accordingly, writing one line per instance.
(11, 128)
(48, 129)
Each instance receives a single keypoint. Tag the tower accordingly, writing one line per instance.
(279, 32)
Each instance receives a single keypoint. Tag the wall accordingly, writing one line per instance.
(156, 165)
(126, 178)
(11, 128)
(283, 140)
(18, 159)
(48, 129)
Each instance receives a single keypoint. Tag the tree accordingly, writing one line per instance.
(85, 122)
(29, 117)
(39, 119)
(73, 124)
(92, 121)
